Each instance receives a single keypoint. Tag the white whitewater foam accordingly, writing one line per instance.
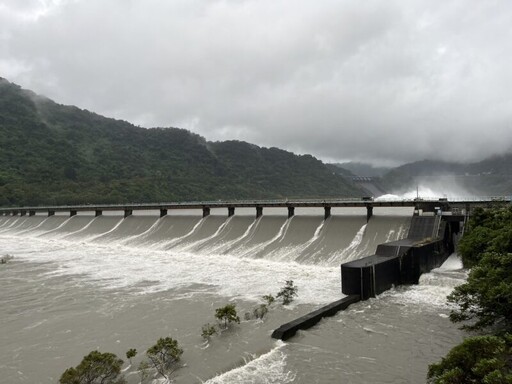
(349, 253)
(269, 368)
(96, 237)
(433, 287)
(202, 241)
(277, 238)
(114, 266)
(246, 236)
(11, 225)
(143, 235)
(293, 252)
(81, 229)
(33, 229)
(56, 229)
(172, 243)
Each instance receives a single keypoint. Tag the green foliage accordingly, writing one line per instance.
(95, 368)
(486, 297)
(479, 359)
(483, 302)
(208, 331)
(489, 230)
(164, 356)
(288, 292)
(268, 299)
(55, 154)
(131, 353)
(227, 315)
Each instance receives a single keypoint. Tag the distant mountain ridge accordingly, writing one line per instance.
(56, 154)
(492, 176)
(363, 169)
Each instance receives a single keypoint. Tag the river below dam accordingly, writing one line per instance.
(76, 284)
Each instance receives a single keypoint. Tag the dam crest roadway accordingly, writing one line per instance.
(454, 205)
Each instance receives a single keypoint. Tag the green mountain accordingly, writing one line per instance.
(56, 154)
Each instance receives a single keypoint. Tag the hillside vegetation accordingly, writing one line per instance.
(55, 154)
(483, 303)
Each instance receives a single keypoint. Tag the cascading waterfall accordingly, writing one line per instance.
(80, 230)
(349, 253)
(252, 252)
(56, 230)
(198, 243)
(102, 235)
(173, 243)
(32, 229)
(246, 236)
(137, 238)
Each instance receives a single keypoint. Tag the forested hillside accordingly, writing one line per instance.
(55, 154)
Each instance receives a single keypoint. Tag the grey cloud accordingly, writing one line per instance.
(370, 81)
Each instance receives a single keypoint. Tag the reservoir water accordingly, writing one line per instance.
(108, 283)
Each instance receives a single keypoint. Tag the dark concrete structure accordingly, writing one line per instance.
(429, 243)
(288, 330)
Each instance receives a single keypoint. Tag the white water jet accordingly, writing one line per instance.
(172, 243)
(143, 235)
(277, 238)
(95, 237)
(33, 228)
(202, 241)
(246, 236)
(56, 229)
(294, 252)
(79, 230)
(349, 253)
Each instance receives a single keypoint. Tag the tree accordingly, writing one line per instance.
(268, 299)
(132, 352)
(227, 314)
(288, 292)
(95, 368)
(486, 297)
(164, 356)
(208, 331)
(479, 359)
(484, 302)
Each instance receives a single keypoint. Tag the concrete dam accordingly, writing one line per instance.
(376, 249)
(307, 237)
(78, 282)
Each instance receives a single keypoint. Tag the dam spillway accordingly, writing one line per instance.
(109, 282)
(306, 237)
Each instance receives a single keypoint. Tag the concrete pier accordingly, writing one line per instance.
(285, 331)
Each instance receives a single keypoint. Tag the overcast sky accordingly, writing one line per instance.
(379, 81)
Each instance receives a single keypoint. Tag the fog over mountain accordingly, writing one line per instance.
(379, 82)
